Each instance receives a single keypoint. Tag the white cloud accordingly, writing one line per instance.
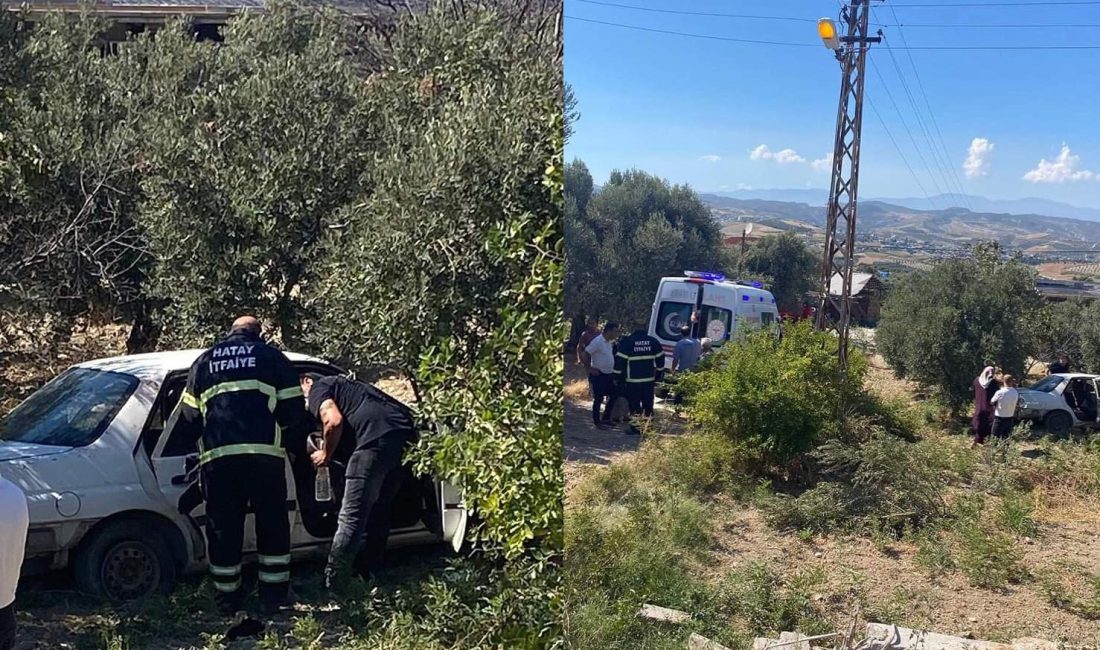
(823, 164)
(711, 158)
(1063, 169)
(977, 158)
(782, 157)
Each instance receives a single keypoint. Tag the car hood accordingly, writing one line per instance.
(10, 450)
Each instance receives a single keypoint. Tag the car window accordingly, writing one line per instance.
(1047, 384)
(72, 410)
(162, 413)
(671, 316)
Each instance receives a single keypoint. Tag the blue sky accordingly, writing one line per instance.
(694, 110)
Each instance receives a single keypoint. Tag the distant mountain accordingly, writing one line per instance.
(945, 228)
(980, 204)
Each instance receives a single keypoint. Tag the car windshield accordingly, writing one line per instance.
(1047, 384)
(73, 410)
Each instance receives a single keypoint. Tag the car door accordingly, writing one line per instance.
(174, 459)
(453, 512)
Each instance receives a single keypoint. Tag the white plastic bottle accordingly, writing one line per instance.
(322, 485)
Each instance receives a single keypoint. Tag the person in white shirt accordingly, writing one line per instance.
(13, 541)
(601, 368)
(1004, 408)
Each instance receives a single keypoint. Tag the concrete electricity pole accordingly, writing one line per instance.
(840, 228)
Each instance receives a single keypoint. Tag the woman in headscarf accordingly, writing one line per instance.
(984, 388)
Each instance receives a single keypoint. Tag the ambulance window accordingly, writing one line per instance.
(716, 323)
(671, 316)
(766, 318)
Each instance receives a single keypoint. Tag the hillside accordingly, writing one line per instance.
(952, 228)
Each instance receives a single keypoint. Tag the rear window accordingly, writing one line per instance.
(1047, 384)
(72, 410)
(671, 316)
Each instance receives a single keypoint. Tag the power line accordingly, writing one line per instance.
(997, 4)
(900, 153)
(905, 125)
(989, 25)
(695, 13)
(932, 116)
(1021, 48)
(706, 36)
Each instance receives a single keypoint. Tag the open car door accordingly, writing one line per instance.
(452, 509)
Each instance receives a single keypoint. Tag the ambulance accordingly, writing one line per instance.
(724, 308)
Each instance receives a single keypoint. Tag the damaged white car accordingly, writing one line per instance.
(111, 491)
(1061, 402)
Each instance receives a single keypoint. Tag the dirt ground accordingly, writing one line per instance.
(885, 576)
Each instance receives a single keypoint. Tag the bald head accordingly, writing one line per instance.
(249, 324)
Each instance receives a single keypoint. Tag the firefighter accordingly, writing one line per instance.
(368, 431)
(244, 407)
(637, 362)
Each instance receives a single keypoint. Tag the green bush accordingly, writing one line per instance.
(942, 326)
(771, 603)
(774, 401)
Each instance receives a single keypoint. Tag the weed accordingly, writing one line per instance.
(1060, 595)
(1015, 514)
(769, 603)
(933, 553)
(309, 634)
(806, 535)
(115, 641)
(270, 641)
(989, 558)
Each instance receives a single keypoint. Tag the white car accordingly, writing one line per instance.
(110, 490)
(1061, 402)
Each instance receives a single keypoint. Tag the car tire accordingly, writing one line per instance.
(1058, 422)
(125, 560)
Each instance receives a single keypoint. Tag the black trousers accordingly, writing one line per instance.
(603, 388)
(363, 526)
(231, 485)
(1002, 427)
(7, 627)
(640, 397)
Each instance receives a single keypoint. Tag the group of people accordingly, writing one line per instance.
(629, 367)
(994, 405)
(246, 408)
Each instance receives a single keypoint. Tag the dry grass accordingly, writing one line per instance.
(576, 389)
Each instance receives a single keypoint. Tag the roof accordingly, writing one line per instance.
(735, 228)
(157, 364)
(859, 283)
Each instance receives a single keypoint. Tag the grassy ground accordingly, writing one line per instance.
(1007, 550)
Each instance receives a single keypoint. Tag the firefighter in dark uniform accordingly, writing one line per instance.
(637, 362)
(244, 407)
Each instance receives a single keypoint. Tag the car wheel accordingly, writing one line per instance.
(1058, 422)
(125, 560)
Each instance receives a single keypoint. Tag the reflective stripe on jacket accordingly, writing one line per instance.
(639, 358)
(242, 397)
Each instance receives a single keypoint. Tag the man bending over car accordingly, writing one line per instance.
(368, 431)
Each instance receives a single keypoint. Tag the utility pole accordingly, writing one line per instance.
(840, 228)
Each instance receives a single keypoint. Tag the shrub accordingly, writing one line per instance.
(772, 400)
(772, 603)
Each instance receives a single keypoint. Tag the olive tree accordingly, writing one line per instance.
(942, 326)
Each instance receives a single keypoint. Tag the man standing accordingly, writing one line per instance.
(687, 351)
(639, 358)
(591, 332)
(369, 431)
(600, 356)
(243, 405)
(1004, 408)
(13, 540)
(1059, 366)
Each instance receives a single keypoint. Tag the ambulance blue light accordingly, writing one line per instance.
(745, 298)
(705, 275)
(761, 298)
(758, 285)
